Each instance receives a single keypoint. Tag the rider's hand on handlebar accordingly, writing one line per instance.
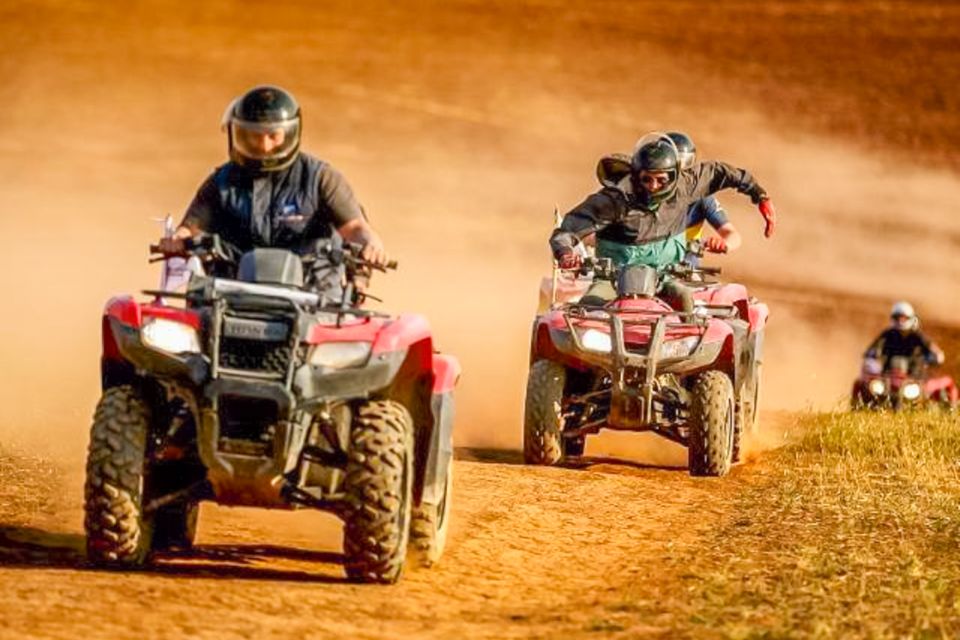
(769, 216)
(170, 246)
(374, 253)
(568, 259)
(715, 244)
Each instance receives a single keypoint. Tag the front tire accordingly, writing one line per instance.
(712, 425)
(378, 486)
(543, 420)
(119, 535)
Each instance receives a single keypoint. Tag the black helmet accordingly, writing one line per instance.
(685, 147)
(655, 153)
(263, 129)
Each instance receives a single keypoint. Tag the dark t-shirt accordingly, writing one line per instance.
(892, 342)
(287, 209)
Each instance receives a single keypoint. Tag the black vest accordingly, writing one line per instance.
(272, 209)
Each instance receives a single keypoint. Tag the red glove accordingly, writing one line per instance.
(769, 216)
(715, 244)
(568, 259)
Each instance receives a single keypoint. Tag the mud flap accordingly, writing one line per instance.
(440, 452)
(742, 351)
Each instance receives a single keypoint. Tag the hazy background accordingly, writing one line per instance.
(461, 125)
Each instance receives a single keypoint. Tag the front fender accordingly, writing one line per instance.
(758, 315)
(446, 373)
(402, 333)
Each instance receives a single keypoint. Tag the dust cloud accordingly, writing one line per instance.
(459, 142)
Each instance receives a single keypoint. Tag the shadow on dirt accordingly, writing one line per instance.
(495, 456)
(603, 464)
(241, 562)
(607, 464)
(29, 547)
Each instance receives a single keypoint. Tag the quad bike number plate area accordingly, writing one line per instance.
(253, 329)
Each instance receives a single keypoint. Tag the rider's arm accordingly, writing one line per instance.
(360, 232)
(711, 176)
(197, 219)
(717, 218)
(730, 235)
(338, 198)
(348, 216)
(875, 350)
(931, 352)
(584, 220)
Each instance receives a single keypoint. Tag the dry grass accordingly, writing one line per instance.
(29, 485)
(852, 532)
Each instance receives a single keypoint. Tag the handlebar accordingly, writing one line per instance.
(604, 269)
(208, 246)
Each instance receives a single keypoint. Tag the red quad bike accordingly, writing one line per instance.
(899, 383)
(639, 364)
(261, 390)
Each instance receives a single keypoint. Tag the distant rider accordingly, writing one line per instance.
(903, 338)
(640, 215)
(270, 194)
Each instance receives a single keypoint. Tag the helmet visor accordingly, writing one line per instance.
(265, 141)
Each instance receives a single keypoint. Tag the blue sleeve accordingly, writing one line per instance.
(713, 212)
(696, 214)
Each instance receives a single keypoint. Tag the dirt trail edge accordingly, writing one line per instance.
(534, 552)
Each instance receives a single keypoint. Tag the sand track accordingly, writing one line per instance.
(526, 559)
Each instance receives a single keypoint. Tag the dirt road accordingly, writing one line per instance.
(460, 125)
(526, 559)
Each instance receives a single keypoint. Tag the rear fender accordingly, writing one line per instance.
(412, 387)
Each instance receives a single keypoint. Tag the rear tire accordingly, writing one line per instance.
(175, 526)
(428, 529)
(747, 422)
(543, 420)
(378, 486)
(573, 447)
(119, 535)
(712, 425)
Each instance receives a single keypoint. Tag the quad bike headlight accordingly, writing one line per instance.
(679, 348)
(594, 340)
(170, 336)
(877, 387)
(340, 355)
(911, 391)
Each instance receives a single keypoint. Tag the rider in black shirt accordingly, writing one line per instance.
(903, 338)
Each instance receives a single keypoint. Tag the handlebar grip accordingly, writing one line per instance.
(154, 248)
(393, 264)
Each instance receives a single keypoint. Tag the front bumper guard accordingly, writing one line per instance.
(631, 406)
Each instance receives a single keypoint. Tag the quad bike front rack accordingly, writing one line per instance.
(632, 406)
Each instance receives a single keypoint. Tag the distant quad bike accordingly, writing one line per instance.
(261, 390)
(688, 372)
(898, 383)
